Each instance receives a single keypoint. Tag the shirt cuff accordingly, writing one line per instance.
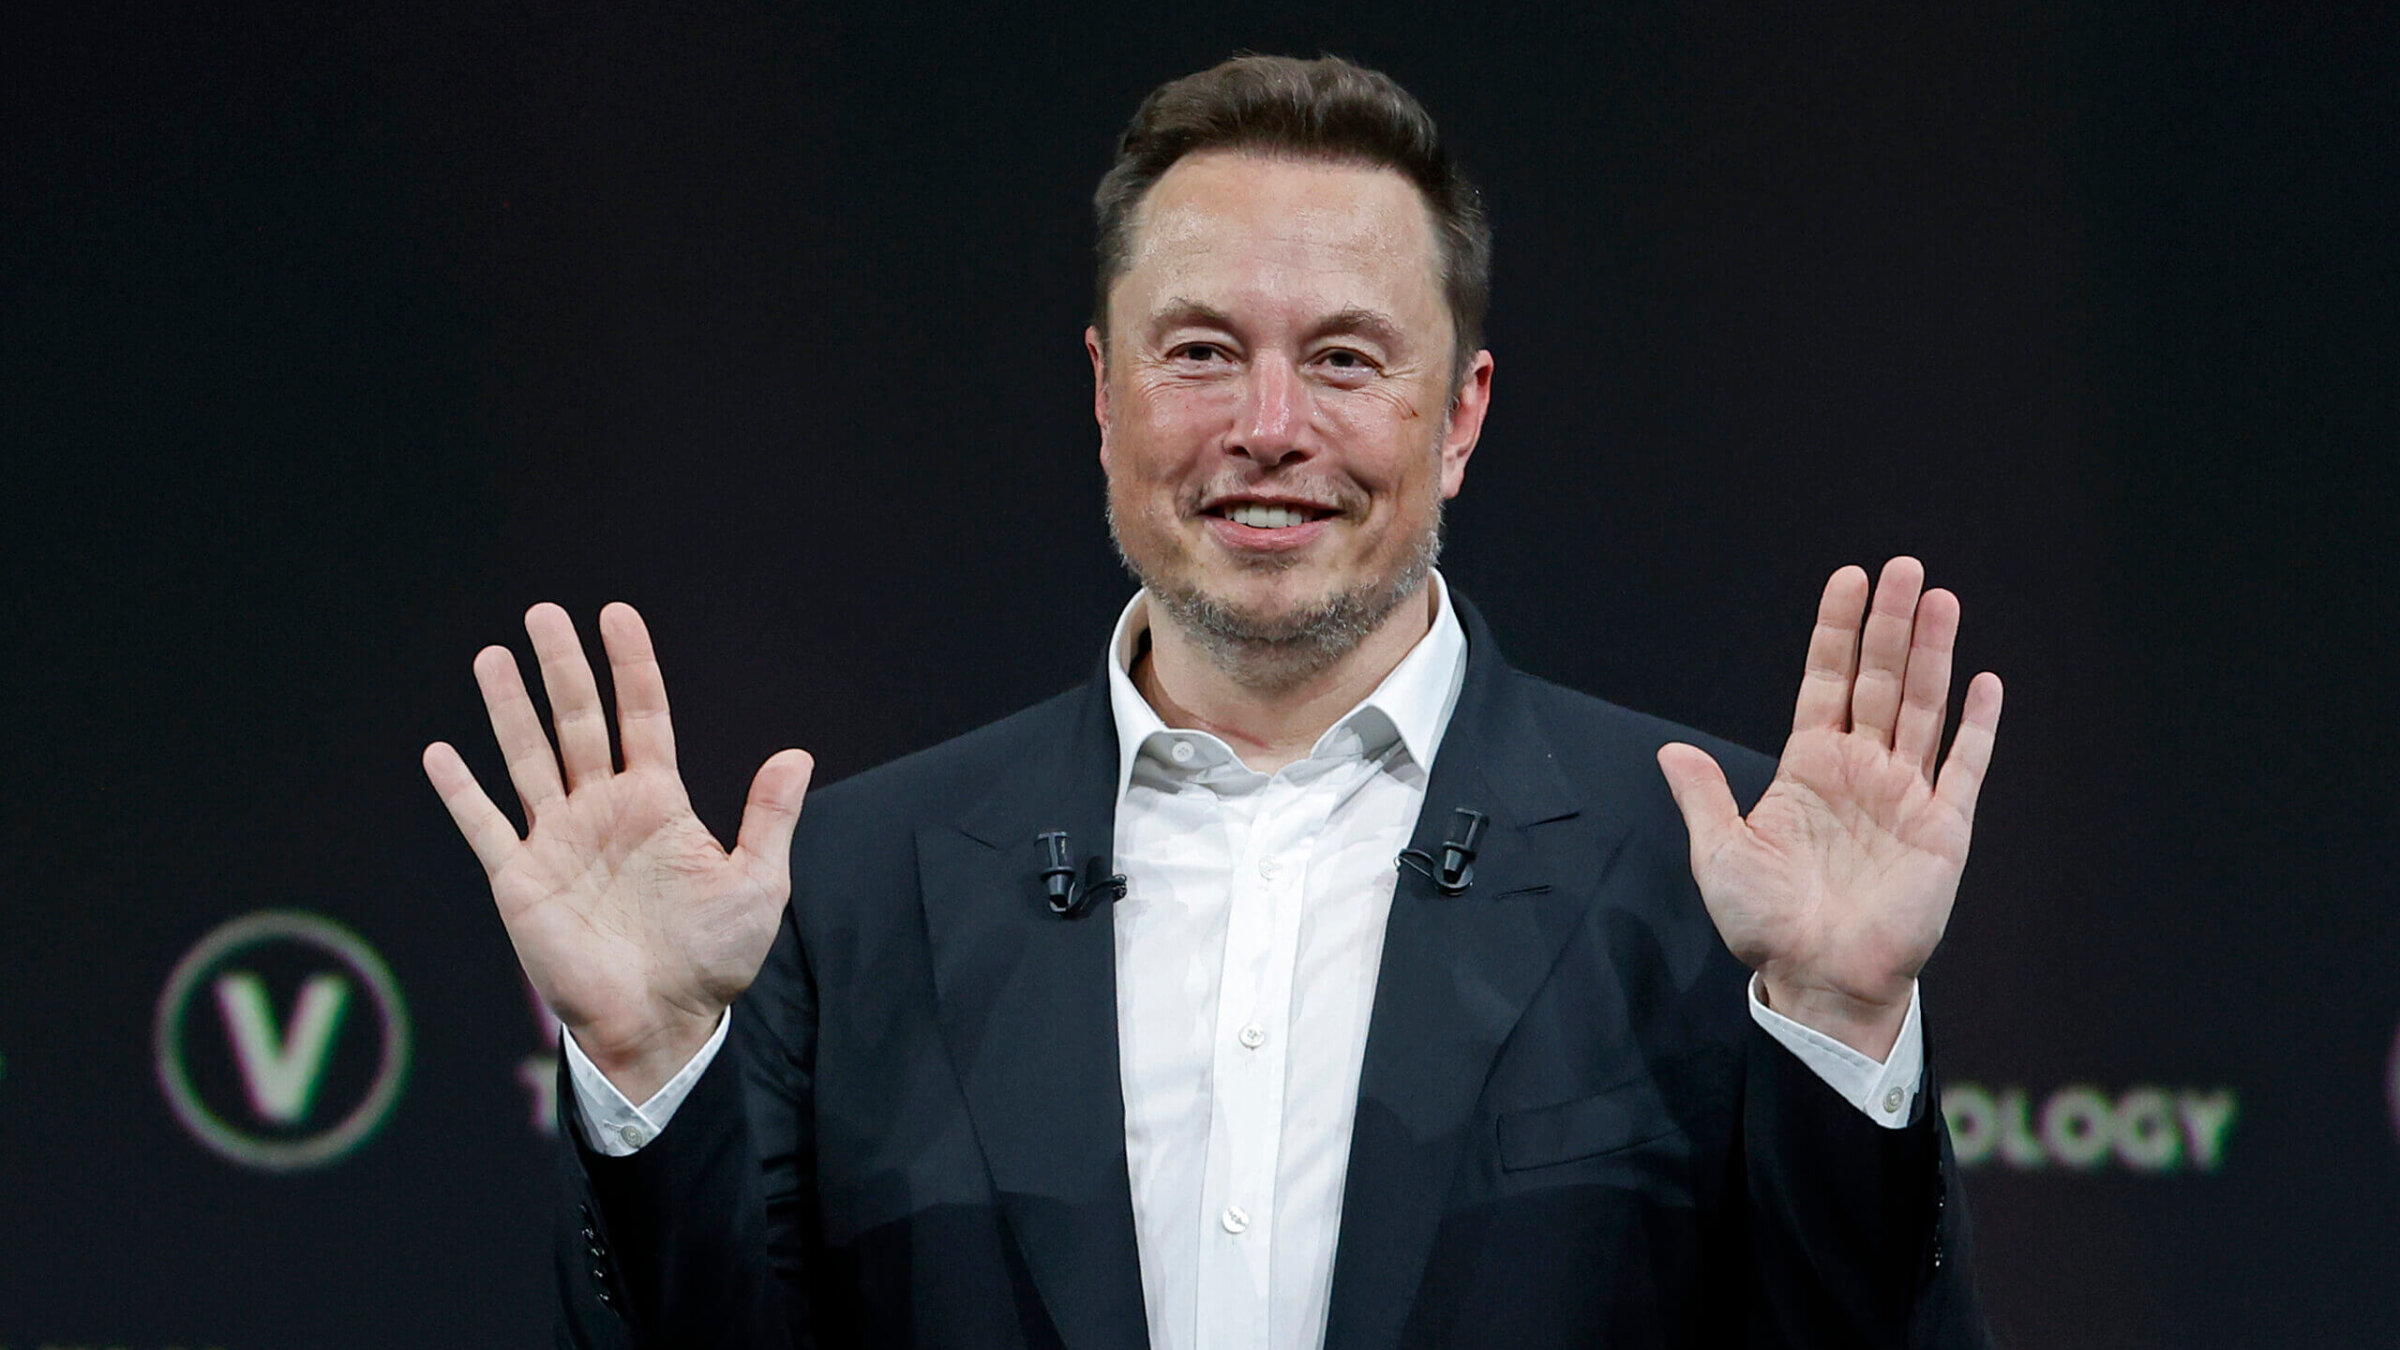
(1887, 1092)
(615, 1127)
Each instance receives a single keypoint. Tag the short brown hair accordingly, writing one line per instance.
(1321, 109)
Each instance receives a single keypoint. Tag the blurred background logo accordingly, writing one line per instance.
(537, 1073)
(2392, 1082)
(282, 1041)
(2084, 1128)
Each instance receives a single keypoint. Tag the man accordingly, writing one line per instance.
(1308, 978)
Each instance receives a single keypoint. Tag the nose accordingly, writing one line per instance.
(1273, 418)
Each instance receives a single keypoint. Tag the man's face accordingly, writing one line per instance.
(1276, 400)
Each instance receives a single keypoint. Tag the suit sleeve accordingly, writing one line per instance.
(1858, 1235)
(703, 1237)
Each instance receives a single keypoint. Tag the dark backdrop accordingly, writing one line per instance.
(333, 339)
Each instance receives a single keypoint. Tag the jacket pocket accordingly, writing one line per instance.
(1611, 1120)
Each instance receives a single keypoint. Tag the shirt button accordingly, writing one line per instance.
(1181, 752)
(1254, 1035)
(1235, 1218)
(1269, 866)
(634, 1136)
(1892, 1100)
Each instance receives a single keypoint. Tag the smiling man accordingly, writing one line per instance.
(1310, 977)
(1284, 405)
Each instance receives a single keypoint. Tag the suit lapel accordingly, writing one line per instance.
(1456, 974)
(1028, 1012)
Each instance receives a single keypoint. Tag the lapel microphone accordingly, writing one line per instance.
(1456, 870)
(1071, 897)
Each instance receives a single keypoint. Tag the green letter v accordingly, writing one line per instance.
(281, 1072)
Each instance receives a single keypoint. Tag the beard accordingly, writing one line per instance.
(1284, 649)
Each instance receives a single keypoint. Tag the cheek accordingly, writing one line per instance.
(1385, 414)
(1187, 413)
(1388, 453)
(1398, 402)
(1142, 484)
(1163, 435)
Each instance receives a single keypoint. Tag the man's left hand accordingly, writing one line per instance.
(1838, 884)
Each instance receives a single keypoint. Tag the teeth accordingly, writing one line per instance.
(1266, 517)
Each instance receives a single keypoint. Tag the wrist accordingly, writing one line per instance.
(639, 1059)
(1868, 1025)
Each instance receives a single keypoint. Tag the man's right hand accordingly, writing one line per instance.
(631, 920)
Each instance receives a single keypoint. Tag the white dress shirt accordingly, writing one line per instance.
(1247, 948)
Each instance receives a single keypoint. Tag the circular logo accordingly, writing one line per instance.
(263, 1051)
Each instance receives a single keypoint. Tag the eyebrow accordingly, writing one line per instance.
(1179, 312)
(1356, 319)
(1366, 323)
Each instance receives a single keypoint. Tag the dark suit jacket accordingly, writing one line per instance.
(1569, 1130)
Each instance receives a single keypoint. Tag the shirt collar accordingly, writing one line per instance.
(1412, 705)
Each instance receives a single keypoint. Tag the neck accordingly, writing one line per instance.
(1269, 717)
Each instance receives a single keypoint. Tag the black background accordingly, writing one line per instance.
(334, 338)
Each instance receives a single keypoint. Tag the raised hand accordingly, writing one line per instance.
(1838, 884)
(631, 920)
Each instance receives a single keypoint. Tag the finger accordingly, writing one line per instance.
(518, 729)
(1832, 654)
(1971, 753)
(487, 831)
(765, 840)
(644, 730)
(1883, 649)
(574, 698)
(1701, 794)
(1925, 700)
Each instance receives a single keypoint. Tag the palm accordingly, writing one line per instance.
(1839, 882)
(628, 885)
(631, 920)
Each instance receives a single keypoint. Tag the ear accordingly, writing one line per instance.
(1096, 348)
(1465, 425)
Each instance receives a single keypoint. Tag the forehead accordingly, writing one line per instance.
(1243, 228)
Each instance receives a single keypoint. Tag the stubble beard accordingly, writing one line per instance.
(1276, 653)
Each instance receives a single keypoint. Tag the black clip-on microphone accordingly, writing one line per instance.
(1456, 871)
(1071, 897)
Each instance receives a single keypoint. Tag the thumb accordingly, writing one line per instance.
(772, 811)
(1701, 793)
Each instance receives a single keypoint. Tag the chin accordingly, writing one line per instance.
(1277, 619)
(1273, 617)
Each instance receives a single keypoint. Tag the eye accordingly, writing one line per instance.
(1345, 361)
(1203, 352)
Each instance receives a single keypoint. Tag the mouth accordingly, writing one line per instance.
(1261, 515)
(1267, 530)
